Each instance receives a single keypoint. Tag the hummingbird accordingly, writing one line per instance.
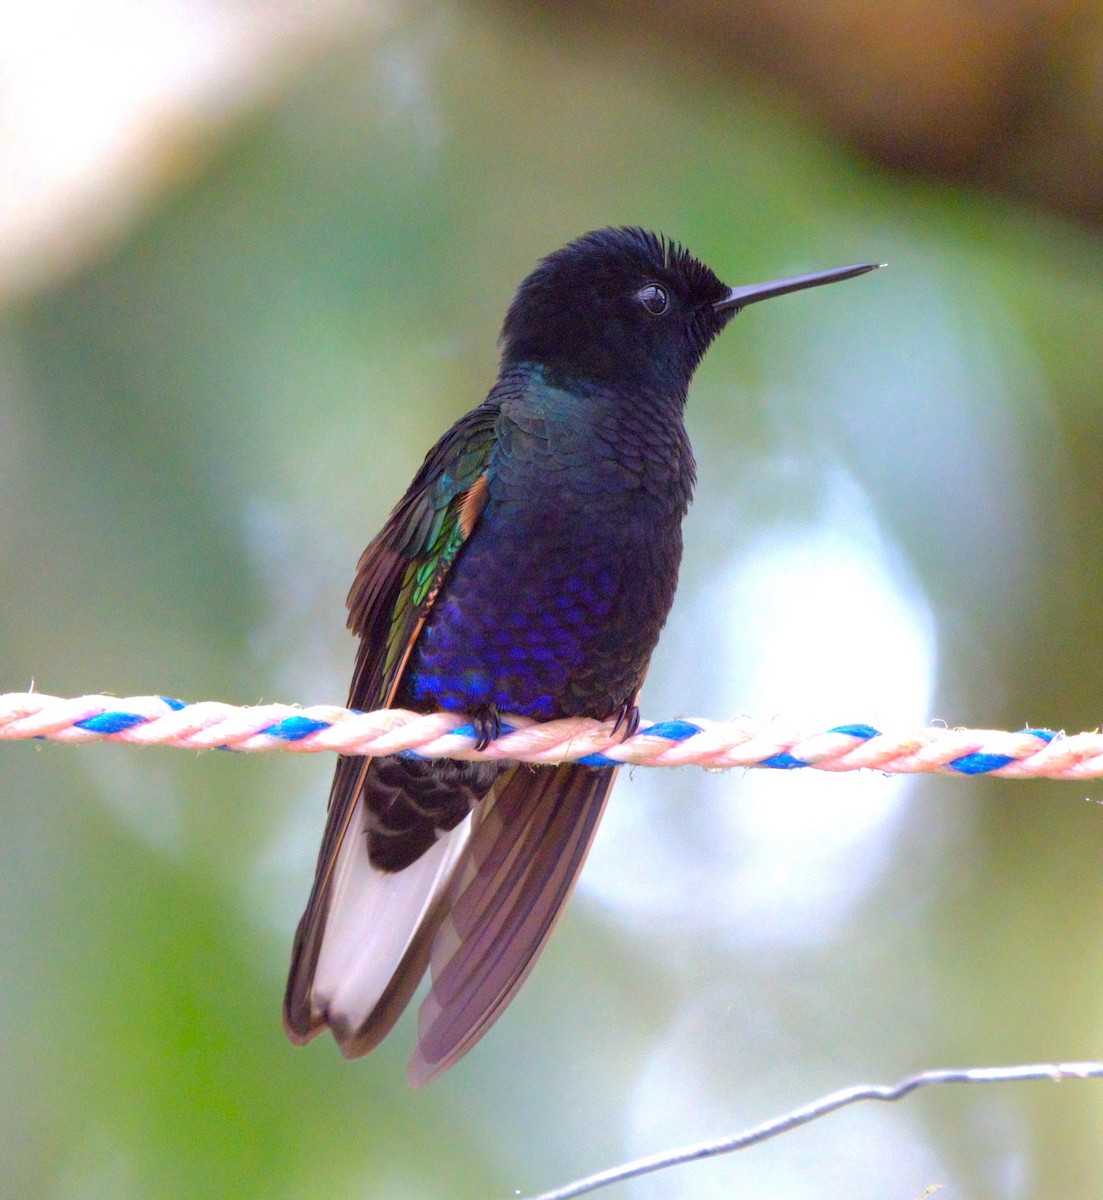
(528, 569)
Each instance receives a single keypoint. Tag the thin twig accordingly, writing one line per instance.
(819, 1108)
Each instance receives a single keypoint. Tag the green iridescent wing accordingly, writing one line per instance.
(400, 573)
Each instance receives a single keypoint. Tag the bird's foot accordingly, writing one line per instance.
(628, 718)
(487, 723)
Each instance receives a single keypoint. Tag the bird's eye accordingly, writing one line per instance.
(654, 299)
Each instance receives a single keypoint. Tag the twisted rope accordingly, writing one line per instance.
(210, 725)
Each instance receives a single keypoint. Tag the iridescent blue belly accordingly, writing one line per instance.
(559, 624)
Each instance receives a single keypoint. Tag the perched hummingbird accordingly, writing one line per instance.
(528, 569)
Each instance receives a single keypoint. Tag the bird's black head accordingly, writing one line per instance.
(624, 308)
(616, 307)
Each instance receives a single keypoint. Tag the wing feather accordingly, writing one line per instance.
(528, 843)
(397, 580)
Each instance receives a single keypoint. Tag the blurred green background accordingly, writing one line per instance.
(211, 396)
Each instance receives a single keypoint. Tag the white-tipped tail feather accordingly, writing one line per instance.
(480, 903)
(372, 919)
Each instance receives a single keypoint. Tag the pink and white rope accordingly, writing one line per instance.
(159, 721)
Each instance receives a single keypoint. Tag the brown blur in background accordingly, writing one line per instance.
(253, 257)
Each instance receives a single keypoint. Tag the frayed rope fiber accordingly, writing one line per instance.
(210, 725)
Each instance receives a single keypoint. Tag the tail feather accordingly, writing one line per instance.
(525, 853)
(377, 939)
(478, 906)
(363, 943)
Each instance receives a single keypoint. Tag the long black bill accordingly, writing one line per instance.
(740, 297)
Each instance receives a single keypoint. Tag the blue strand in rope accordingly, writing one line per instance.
(787, 762)
(111, 722)
(865, 732)
(676, 731)
(119, 722)
(981, 764)
(294, 729)
(783, 762)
